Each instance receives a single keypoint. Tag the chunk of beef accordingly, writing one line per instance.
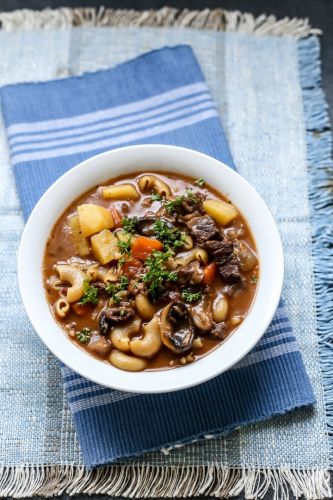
(99, 345)
(191, 274)
(223, 254)
(219, 330)
(192, 203)
(119, 313)
(230, 272)
(203, 229)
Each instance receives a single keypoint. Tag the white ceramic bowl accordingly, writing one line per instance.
(95, 171)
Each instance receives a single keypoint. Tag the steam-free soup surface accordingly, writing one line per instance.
(150, 271)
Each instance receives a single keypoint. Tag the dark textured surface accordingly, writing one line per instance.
(320, 13)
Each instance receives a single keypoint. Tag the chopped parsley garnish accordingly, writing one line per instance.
(170, 237)
(189, 296)
(125, 246)
(191, 196)
(84, 335)
(254, 279)
(200, 182)
(156, 197)
(90, 295)
(157, 274)
(129, 224)
(171, 205)
(113, 288)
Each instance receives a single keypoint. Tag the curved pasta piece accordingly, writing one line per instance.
(151, 341)
(61, 307)
(195, 254)
(120, 335)
(144, 307)
(127, 363)
(75, 277)
(220, 309)
(151, 183)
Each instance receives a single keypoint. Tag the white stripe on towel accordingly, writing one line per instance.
(115, 141)
(273, 352)
(100, 125)
(88, 137)
(158, 100)
(114, 396)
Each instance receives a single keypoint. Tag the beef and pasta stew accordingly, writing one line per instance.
(150, 271)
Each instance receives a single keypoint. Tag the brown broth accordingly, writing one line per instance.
(60, 248)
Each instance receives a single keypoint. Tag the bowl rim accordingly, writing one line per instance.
(75, 362)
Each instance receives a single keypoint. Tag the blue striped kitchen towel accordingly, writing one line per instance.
(160, 97)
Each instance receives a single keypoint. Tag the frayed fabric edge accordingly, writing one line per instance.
(139, 481)
(211, 19)
(320, 168)
(135, 481)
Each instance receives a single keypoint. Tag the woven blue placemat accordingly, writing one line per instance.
(292, 449)
(160, 97)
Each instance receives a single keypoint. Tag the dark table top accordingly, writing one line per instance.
(319, 12)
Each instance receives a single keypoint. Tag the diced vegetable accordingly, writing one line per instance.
(143, 247)
(105, 247)
(120, 192)
(81, 243)
(123, 236)
(117, 217)
(221, 211)
(94, 218)
(210, 273)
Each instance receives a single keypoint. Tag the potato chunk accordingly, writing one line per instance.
(105, 247)
(120, 192)
(94, 218)
(221, 211)
(81, 243)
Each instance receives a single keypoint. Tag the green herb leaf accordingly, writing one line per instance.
(129, 224)
(200, 182)
(157, 274)
(254, 279)
(113, 288)
(191, 196)
(172, 204)
(84, 335)
(156, 197)
(90, 295)
(170, 237)
(189, 296)
(125, 246)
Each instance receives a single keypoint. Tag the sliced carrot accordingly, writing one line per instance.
(143, 247)
(117, 217)
(210, 273)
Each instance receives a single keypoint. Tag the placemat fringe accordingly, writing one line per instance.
(320, 165)
(135, 481)
(212, 19)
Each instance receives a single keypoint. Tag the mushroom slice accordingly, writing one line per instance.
(177, 332)
(145, 225)
(201, 320)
